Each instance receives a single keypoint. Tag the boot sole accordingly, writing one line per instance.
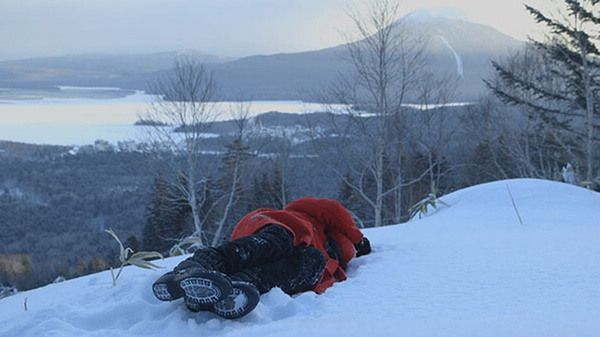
(161, 291)
(205, 288)
(166, 288)
(242, 300)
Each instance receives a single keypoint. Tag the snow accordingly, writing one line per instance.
(466, 269)
(459, 62)
(425, 15)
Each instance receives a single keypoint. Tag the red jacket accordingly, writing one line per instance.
(311, 221)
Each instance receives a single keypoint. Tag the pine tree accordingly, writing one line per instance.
(270, 189)
(165, 219)
(564, 93)
(231, 185)
(278, 187)
(352, 201)
(133, 242)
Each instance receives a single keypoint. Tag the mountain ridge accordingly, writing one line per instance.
(454, 46)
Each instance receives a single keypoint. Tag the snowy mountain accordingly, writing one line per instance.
(453, 46)
(462, 46)
(467, 269)
(464, 36)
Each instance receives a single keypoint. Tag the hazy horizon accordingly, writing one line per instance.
(226, 28)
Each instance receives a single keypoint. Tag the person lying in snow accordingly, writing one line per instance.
(306, 246)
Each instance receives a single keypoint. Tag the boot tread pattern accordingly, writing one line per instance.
(200, 290)
(242, 300)
(233, 305)
(161, 292)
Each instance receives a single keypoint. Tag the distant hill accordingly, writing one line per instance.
(281, 76)
(453, 46)
(128, 71)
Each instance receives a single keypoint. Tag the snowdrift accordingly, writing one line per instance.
(467, 269)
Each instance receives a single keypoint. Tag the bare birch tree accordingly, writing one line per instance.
(434, 126)
(178, 120)
(386, 63)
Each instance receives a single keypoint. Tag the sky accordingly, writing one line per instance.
(233, 28)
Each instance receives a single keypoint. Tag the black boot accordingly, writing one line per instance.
(197, 284)
(242, 300)
(270, 244)
(297, 273)
(200, 277)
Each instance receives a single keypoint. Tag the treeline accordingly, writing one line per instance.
(54, 209)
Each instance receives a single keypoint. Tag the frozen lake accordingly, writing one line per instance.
(79, 115)
(60, 120)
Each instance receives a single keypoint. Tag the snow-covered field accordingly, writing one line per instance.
(469, 269)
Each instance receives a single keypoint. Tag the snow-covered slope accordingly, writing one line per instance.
(469, 269)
